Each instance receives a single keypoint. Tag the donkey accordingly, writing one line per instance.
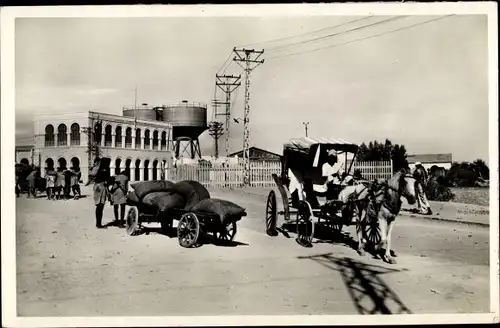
(384, 205)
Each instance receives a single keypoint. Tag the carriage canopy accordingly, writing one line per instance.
(307, 144)
(306, 154)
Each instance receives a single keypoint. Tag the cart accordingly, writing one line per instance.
(301, 166)
(191, 226)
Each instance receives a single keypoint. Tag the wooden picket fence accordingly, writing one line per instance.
(219, 175)
(373, 170)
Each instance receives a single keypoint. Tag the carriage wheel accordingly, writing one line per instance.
(305, 225)
(132, 220)
(226, 234)
(271, 214)
(188, 230)
(372, 230)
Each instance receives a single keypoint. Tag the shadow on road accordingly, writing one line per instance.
(369, 292)
(322, 234)
(205, 239)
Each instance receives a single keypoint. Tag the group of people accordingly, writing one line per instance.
(106, 188)
(59, 183)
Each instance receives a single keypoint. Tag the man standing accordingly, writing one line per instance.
(75, 181)
(420, 174)
(32, 183)
(50, 177)
(118, 193)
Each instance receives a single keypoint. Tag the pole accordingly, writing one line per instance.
(228, 84)
(246, 119)
(135, 99)
(228, 118)
(305, 125)
(245, 55)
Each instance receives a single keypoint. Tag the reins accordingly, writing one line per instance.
(388, 187)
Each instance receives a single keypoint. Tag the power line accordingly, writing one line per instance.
(279, 48)
(308, 33)
(225, 62)
(361, 39)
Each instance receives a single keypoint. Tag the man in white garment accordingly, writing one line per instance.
(331, 171)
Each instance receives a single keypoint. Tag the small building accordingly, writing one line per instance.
(258, 154)
(24, 154)
(429, 160)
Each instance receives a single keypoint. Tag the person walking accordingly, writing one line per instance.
(50, 177)
(119, 196)
(60, 183)
(75, 177)
(32, 183)
(420, 175)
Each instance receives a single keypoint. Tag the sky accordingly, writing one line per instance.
(425, 87)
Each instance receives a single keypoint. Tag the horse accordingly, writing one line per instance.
(382, 207)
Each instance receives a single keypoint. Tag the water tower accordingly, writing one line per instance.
(144, 113)
(189, 121)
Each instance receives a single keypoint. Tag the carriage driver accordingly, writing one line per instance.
(331, 171)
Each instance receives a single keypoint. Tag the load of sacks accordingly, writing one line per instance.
(160, 196)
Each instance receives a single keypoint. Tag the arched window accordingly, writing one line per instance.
(128, 138)
(146, 170)
(163, 140)
(62, 135)
(155, 170)
(98, 132)
(138, 139)
(137, 173)
(118, 138)
(75, 134)
(49, 136)
(146, 139)
(155, 140)
(75, 162)
(118, 163)
(107, 136)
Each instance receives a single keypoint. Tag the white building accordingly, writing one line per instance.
(429, 160)
(142, 147)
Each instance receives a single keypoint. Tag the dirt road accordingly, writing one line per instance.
(66, 267)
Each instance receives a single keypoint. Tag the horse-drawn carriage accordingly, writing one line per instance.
(301, 170)
(189, 203)
(371, 205)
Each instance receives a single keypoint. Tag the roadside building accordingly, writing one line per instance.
(24, 154)
(258, 154)
(429, 160)
(143, 147)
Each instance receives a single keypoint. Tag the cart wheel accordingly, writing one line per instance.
(188, 230)
(271, 214)
(305, 225)
(132, 220)
(226, 234)
(372, 230)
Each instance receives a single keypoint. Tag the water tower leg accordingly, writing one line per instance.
(191, 143)
(176, 148)
(197, 147)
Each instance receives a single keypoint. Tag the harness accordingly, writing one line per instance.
(394, 209)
